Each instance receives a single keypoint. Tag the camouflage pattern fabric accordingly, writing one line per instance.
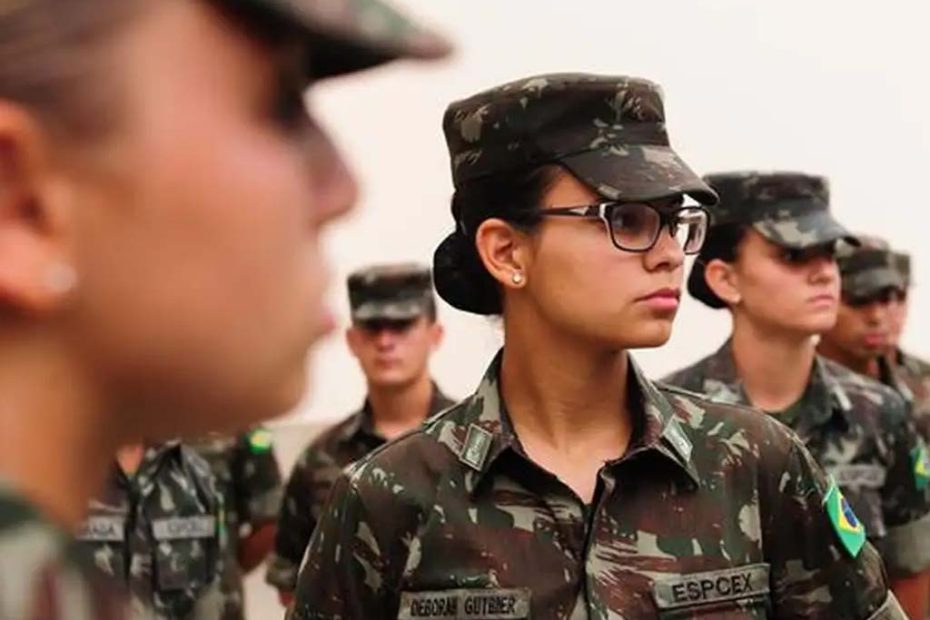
(345, 35)
(160, 533)
(715, 511)
(393, 292)
(45, 575)
(861, 433)
(249, 479)
(311, 481)
(790, 209)
(910, 376)
(902, 263)
(868, 269)
(609, 131)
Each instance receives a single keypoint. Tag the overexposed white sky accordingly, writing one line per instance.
(830, 87)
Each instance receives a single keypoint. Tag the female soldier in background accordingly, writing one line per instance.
(770, 259)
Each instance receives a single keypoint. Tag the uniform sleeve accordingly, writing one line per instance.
(905, 499)
(256, 479)
(296, 522)
(814, 575)
(344, 574)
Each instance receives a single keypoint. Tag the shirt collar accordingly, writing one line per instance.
(483, 432)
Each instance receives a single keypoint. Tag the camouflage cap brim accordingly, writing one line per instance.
(345, 36)
(805, 229)
(871, 282)
(638, 172)
(390, 310)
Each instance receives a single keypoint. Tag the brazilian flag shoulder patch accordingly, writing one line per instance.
(845, 523)
(260, 441)
(920, 460)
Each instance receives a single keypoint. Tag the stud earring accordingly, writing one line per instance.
(517, 278)
(60, 278)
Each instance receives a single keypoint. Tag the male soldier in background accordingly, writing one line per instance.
(393, 334)
(911, 373)
(249, 479)
(157, 528)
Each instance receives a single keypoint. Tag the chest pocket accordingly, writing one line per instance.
(184, 550)
(465, 604)
(185, 561)
(862, 484)
(105, 537)
(737, 593)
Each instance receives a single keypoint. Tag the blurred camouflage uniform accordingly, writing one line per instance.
(906, 372)
(713, 511)
(857, 429)
(44, 574)
(160, 531)
(395, 292)
(247, 475)
(39, 577)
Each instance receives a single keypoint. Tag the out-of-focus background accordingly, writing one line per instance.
(830, 87)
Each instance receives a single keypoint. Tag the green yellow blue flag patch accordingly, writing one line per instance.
(921, 462)
(260, 440)
(847, 526)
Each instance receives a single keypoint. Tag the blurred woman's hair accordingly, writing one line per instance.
(53, 61)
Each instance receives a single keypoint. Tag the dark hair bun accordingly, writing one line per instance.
(461, 279)
(698, 288)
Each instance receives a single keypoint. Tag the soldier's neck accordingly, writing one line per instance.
(563, 391)
(863, 365)
(398, 409)
(56, 441)
(775, 368)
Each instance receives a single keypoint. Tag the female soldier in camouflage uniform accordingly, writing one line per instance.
(569, 486)
(769, 259)
(162, 191)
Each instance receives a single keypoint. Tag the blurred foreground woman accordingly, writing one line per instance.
(162, 193)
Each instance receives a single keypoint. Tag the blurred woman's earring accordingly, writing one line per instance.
(60, 278)
(517, 278)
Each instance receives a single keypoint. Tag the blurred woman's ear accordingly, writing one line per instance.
(35, 269)
(723, 280)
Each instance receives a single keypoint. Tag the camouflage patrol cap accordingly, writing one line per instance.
(902, 263)
(790, 209)
(868, 269)
(345, 35)
(393, 292)
(608, 131)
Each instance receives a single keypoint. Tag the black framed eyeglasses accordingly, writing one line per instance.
(636, 226)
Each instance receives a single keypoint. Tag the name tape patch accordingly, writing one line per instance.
(177, 528)
(731, 584)
(475, 604)
(102, 529)
(858, 476)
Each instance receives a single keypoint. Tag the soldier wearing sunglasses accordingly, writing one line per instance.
(770, 260)
(393, 334)
(568, 485)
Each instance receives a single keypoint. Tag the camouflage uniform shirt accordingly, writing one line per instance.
(713, 512)
(249, 479)
(159, 532)
(860, 433)
(311, 481)
(43, 574)
(911, 377)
